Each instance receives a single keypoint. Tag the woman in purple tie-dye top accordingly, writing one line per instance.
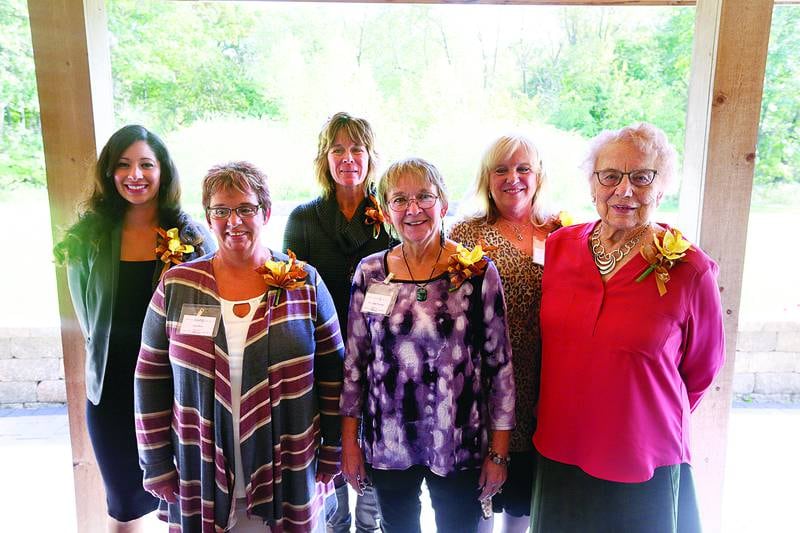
(428, 367)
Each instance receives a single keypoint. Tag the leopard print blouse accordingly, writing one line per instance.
(522, 285)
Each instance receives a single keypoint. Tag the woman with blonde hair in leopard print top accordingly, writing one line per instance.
(513, 219)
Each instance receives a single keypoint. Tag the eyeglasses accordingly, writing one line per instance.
(243, 211)
(638, 178)
(425, 200)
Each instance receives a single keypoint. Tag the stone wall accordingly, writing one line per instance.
(768, 362)
(31, 368)
(767, 365)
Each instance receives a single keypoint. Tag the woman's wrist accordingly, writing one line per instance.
(349, 444)
(497, 458)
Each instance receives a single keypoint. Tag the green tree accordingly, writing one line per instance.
(176, 63)
(21, 158)
(779, 134)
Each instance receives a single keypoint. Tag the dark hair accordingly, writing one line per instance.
(105, 207)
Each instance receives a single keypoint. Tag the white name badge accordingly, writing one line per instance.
(202, 320)
(380, 298)
(538, 252)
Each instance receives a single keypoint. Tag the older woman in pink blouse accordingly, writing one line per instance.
(626, 353)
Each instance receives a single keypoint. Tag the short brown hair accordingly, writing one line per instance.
(359, 131)
(240, 176)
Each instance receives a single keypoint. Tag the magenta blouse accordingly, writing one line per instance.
(622, 367)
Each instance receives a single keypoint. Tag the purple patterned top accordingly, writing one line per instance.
(431, 378)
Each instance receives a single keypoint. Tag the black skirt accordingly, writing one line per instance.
(566, 500)
(111, 422)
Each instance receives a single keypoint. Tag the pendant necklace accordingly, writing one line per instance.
(515, 229)
(607, 261)
(422, 292)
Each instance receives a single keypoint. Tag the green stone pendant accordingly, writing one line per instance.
(422, 294)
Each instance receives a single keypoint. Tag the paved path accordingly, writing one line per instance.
(761, 485)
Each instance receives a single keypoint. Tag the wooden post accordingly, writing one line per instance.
(73, 74)
(728, 65)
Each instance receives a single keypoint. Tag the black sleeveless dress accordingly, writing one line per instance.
(111, 422)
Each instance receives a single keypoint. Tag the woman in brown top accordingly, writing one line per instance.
(511, 218)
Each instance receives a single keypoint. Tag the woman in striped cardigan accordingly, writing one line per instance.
(238, 379)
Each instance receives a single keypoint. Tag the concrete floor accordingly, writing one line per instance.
(761, 494)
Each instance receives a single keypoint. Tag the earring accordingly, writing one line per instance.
(441, 235)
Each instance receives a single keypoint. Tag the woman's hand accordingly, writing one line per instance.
(493, 475)
(353, 470)
(166, 490)
(492, 478)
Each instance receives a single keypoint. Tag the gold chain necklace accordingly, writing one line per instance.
(515, 229)
(607, 261)
(422, 292)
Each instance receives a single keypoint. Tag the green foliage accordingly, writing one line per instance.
(436, 81)
(21, 161)
(608, 72)
(779, 133)
(176, 63)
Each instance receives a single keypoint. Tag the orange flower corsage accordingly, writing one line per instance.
(466, 263)
(170, 249)
(374, 217)
(281, 275)
(668, 247)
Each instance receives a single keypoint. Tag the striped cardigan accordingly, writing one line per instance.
(289, 425)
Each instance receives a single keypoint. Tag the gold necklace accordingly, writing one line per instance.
(422, 292)
(607, 261)
(515, 229)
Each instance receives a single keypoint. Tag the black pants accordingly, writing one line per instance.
(454, 499)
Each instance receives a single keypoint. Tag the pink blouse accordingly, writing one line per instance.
(623, 367)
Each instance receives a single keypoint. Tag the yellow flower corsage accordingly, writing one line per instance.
(565, 219)
(286, 275)
(170, 249)
(466, 263)
(668, 247)
(374, 217)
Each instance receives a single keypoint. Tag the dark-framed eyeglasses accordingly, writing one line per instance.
(641, 177)
(243, 211)
(424, 200)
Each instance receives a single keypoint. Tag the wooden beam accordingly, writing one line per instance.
(511, 2)
(519, 2)
(728, 65)
(73, 74)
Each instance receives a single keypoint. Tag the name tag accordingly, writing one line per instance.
(380, 298)
(538, 252)
(202, 320)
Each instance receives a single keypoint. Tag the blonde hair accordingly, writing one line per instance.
(359, 131)
(502, 148)
(415, 167)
